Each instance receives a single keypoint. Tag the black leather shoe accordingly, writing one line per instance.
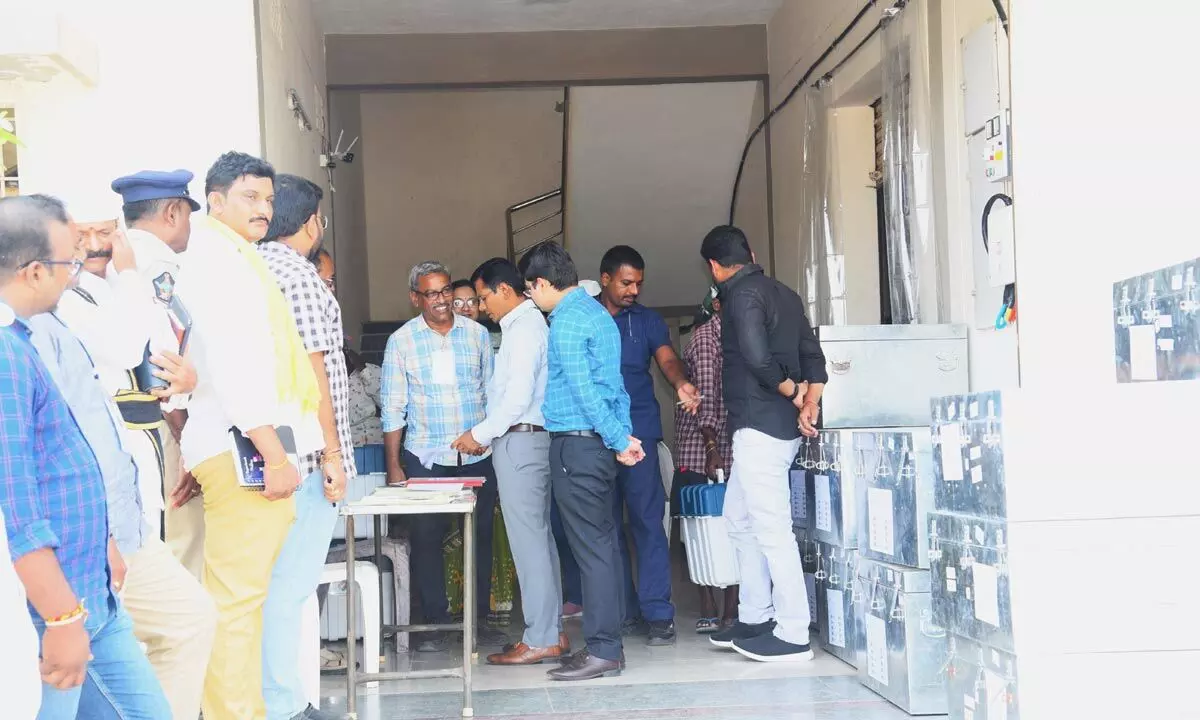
(569, 658)
(585, 666)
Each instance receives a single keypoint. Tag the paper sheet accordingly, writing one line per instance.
(443, 367)
(879, 521)
(987, 593)
(837, 618)
(1143, 353)
(824, 503)
(877, 653)
(997, 695)
(952, 469)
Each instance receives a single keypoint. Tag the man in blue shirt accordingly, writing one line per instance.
(52, 491)
(587, 415)
(644, 338)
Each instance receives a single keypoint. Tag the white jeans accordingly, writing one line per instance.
(758, 510)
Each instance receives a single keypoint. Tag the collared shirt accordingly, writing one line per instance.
(232, 349)
(319, 320)
(703, 358)
(158, 265)
(435, 385)
(518, 386)
(73, 371)
(51, 489)
(584, 389)
(643, 332)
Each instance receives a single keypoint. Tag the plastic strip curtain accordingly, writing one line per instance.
(907, 180)
(823, 256)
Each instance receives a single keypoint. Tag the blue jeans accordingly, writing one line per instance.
(293, 579)
(120, 684)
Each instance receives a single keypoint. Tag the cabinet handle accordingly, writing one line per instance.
(839, 367)
(947, 362)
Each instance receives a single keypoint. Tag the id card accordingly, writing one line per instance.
(444, 368)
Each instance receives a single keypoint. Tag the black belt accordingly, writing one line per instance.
(526, 428)
(574, 433)
(140, 411)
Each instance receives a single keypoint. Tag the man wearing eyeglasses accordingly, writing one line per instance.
(435, 373)
(467, 304)
(52, 493)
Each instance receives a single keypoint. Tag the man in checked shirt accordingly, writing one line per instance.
(292, 242)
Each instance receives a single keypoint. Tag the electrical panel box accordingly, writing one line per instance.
(997, 153)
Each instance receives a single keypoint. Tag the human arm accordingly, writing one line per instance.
(673, 369)
(590, 353)
(813, 375)
(177, 370)
(331, 462)
(393, 396)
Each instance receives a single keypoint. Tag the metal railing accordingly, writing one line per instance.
(515, 234)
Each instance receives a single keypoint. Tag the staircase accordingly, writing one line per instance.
(534, 218)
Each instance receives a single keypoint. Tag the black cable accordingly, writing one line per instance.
(829, 75)
(790, 96)
(1001, 14)
(1010, 290)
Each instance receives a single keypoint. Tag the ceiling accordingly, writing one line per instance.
(481, 16)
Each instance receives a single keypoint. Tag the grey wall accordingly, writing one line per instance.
(349, 234)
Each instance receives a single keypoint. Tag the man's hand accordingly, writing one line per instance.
(280, 482)
(335, 479)
(689, 397)
(185, 490)
(467, 445)
(713, 462)
(808, 419)
(178, 371)
(633, 454)
(396, 477)
(117, 564)
(799, 400)
(65, 653)
(122, 252)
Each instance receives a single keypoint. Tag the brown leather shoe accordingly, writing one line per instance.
(585, 666)
(522, 654)
(564, 644)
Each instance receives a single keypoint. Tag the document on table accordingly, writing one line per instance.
(430, 495)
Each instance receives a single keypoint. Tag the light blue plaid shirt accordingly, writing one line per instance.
(584, 389)
(436, 404)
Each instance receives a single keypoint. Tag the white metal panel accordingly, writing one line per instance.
(981, 76)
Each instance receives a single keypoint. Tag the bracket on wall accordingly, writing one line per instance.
(297, 108)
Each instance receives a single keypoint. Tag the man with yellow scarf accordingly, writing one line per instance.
(238, 312)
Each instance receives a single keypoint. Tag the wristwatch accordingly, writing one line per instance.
(795, 391)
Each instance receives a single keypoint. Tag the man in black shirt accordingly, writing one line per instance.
(774, 373)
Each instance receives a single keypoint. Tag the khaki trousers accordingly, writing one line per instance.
(244, 533)
(185, 525)
(176, 619)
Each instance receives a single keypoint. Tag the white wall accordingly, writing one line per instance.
(177, 86)
(652, 166)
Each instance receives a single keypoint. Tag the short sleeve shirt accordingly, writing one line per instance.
(643, 332)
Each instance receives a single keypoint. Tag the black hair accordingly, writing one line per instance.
(618, 256)
(24, 228)
(139, 210)
(462, 284)
(296, 200)
(231, 166)
(498, 271)
(726, 245)
(550, 262)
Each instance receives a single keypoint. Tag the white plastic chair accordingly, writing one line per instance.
(366, 578)
(666, 468)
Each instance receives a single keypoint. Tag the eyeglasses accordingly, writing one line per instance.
(324, 221)
(432, 295)
(74, 265)
(460, 303)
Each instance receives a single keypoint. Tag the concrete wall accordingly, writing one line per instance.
(439, 170)
(163, 99)
(546, 57)
(652, 166)
(351, 251)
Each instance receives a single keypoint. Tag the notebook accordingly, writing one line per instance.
(249, 464)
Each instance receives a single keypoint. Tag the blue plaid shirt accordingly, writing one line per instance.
(584, 390)
(435, 385)
(51, 489)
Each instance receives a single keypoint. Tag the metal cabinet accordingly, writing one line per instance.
(895, 487)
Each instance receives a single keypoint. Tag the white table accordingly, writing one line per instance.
(377, 506)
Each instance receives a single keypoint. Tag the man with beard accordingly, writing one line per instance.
(239, 312)
(292, 243)
(645, 340)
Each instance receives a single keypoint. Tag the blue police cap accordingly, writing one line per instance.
(155, 185)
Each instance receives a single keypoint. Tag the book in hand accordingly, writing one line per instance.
(249, 464)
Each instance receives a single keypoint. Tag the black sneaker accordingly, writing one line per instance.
(635, 627)
(662, 632)
(740, 631)
(486, 636)
(768, 648)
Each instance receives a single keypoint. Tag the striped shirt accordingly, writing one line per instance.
(435, 386)
(584, 388)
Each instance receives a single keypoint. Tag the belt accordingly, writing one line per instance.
(574, 433)
(140, 411)
(526, 428)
